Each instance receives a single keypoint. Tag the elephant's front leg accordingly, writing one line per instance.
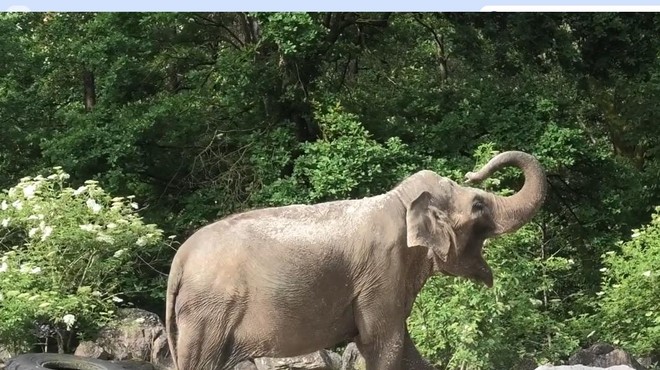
(412, 359)
(384, 352)
(382, 330)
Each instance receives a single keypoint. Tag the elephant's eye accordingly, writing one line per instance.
(478, 206)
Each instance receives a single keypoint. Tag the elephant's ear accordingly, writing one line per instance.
(427, 226)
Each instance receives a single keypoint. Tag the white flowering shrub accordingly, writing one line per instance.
(67, 256)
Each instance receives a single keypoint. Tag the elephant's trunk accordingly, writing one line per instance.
(511, 212)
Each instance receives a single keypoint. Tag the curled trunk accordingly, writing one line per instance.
(511, 212)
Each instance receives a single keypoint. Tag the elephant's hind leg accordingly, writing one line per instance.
(206, 346)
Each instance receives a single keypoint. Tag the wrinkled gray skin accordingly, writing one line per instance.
(285, 281)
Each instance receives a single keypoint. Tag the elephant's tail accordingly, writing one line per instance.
(173, 284)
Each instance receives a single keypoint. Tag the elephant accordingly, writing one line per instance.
(290, 280)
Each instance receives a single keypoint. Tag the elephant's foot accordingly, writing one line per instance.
(383, 353)
(412, 359)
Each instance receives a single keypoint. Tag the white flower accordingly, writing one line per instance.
(117, 299)
(46, 231)
(64, 176)
(141, 242)
(35, 270)
(18, 205)
(647, 273)
(69, 320)
(96, 293)
(117, 199)
(635, 235)
(52, 177)
(5, 222)
(80, 190)
(134, 205)
(28, 191)
(87, 227)
(32, 232)
(24, 269)
(4, 267)
(26, 178)
(111, 225)
(105, 238)
(57, 167)
(119, 253)
(3, 205)
(95, 207)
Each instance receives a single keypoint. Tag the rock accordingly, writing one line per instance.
(92, 350)
(649, 361)
(135, 365)
(4, 354)
(582, 367)
(137, 335)
(352, 359)
(246, 365)
(319, 360)
(335, 360)
(604, 355)
(526, 363)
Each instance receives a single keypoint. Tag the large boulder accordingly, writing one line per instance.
(4, 355)
(319, 360)
(246, 365)
(137, 335)
(92, 350)
(604, 355)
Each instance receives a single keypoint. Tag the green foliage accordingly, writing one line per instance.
(345, 163)
(68, 257)
(629, 308)
(294, 33)
(461, 325)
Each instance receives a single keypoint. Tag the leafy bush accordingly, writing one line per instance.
(461, 325)
(68, 255)
(629, 305)
(458, 324)
(345, 163)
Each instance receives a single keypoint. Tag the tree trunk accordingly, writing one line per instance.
(89, 94)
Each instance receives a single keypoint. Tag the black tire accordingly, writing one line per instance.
(38, 361)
